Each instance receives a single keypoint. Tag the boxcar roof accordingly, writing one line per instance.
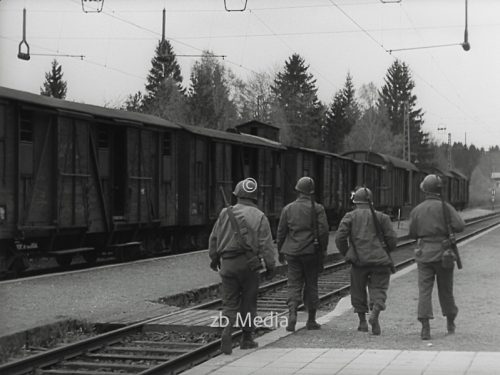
(458, 173)
(436, 170)
(385, 159)
(241, 138)
(257, 122)
(93, 110)
(322, 152)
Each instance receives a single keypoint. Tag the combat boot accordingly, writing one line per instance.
(450, 324)
(425, 334)
(363, 325)
(373, 320)
(226, 339)
(311, 320)
(247, 341)
(292, 318)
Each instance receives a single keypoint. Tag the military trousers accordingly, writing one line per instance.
(427, 273)
(372, 282)
(303, 280)
(239, 292)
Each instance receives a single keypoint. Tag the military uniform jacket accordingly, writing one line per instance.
(295, 230)
(254, 228)
(358, 227)
(428, 226)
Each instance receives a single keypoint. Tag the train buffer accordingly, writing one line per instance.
(65, 256)
(127, 250)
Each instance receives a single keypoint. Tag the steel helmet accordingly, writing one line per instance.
(246, 188)
(305, 185)
(362, 195)
(431, 184)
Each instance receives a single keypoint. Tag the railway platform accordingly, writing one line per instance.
(119, 293)
(115, 293)
(338, 348)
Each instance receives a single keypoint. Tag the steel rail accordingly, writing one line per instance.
(50, 357)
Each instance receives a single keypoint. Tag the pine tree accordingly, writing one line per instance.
(342, 115)
(163, 66)
(394, 94)
(133, 102)
(169, 103)
(295, 93)
(209, 100)
(257, 98)
(372, 129)
(54, 85)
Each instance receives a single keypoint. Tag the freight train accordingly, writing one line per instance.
(83, 179)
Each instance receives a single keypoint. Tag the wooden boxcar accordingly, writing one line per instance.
(396, 183)
(459, 189)
(78, 178)
(332, 173)
(455, 185)
(213, 159)
(370, 175)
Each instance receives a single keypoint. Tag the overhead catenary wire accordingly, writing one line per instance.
(273, 34)
(172, 39)
(423, 47)
(436, 64)
(335, 4)
(416, 73)
(265, 35)
(289, 47)
(85, 59)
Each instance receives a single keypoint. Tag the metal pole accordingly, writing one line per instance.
(449, 150)
(163, 26)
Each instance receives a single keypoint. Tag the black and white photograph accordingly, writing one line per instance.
(249, 187)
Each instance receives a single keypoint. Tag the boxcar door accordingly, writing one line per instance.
(141, 194)
(118, 172)
(7, 197)
(168, 195)
(73, 164)
(37, 147)
(220, 175)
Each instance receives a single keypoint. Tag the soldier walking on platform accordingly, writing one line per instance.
(366, 237)
(240, 239)
(302, 240)
(428, 224)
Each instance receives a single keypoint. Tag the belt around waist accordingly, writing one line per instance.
(236, 253)
(231, 255)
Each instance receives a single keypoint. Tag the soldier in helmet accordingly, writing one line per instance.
(358, 241)
(427, 225)
(296, 245)
(238, 257)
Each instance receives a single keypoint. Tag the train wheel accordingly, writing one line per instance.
(90, 256)
(12, 261)
(64, 260)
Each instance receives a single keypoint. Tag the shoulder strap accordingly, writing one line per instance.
(314, 220)
(236, 228)
(446, 215)
(379, 232)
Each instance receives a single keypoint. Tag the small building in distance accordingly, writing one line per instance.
(260, 129)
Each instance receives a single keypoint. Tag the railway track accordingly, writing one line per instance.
(48, 266)
(159, 345)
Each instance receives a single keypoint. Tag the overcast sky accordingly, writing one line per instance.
(458, 90)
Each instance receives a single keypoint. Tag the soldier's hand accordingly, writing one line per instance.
(321, 261)
(321, 266)
(215, 265)
(281, 258)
